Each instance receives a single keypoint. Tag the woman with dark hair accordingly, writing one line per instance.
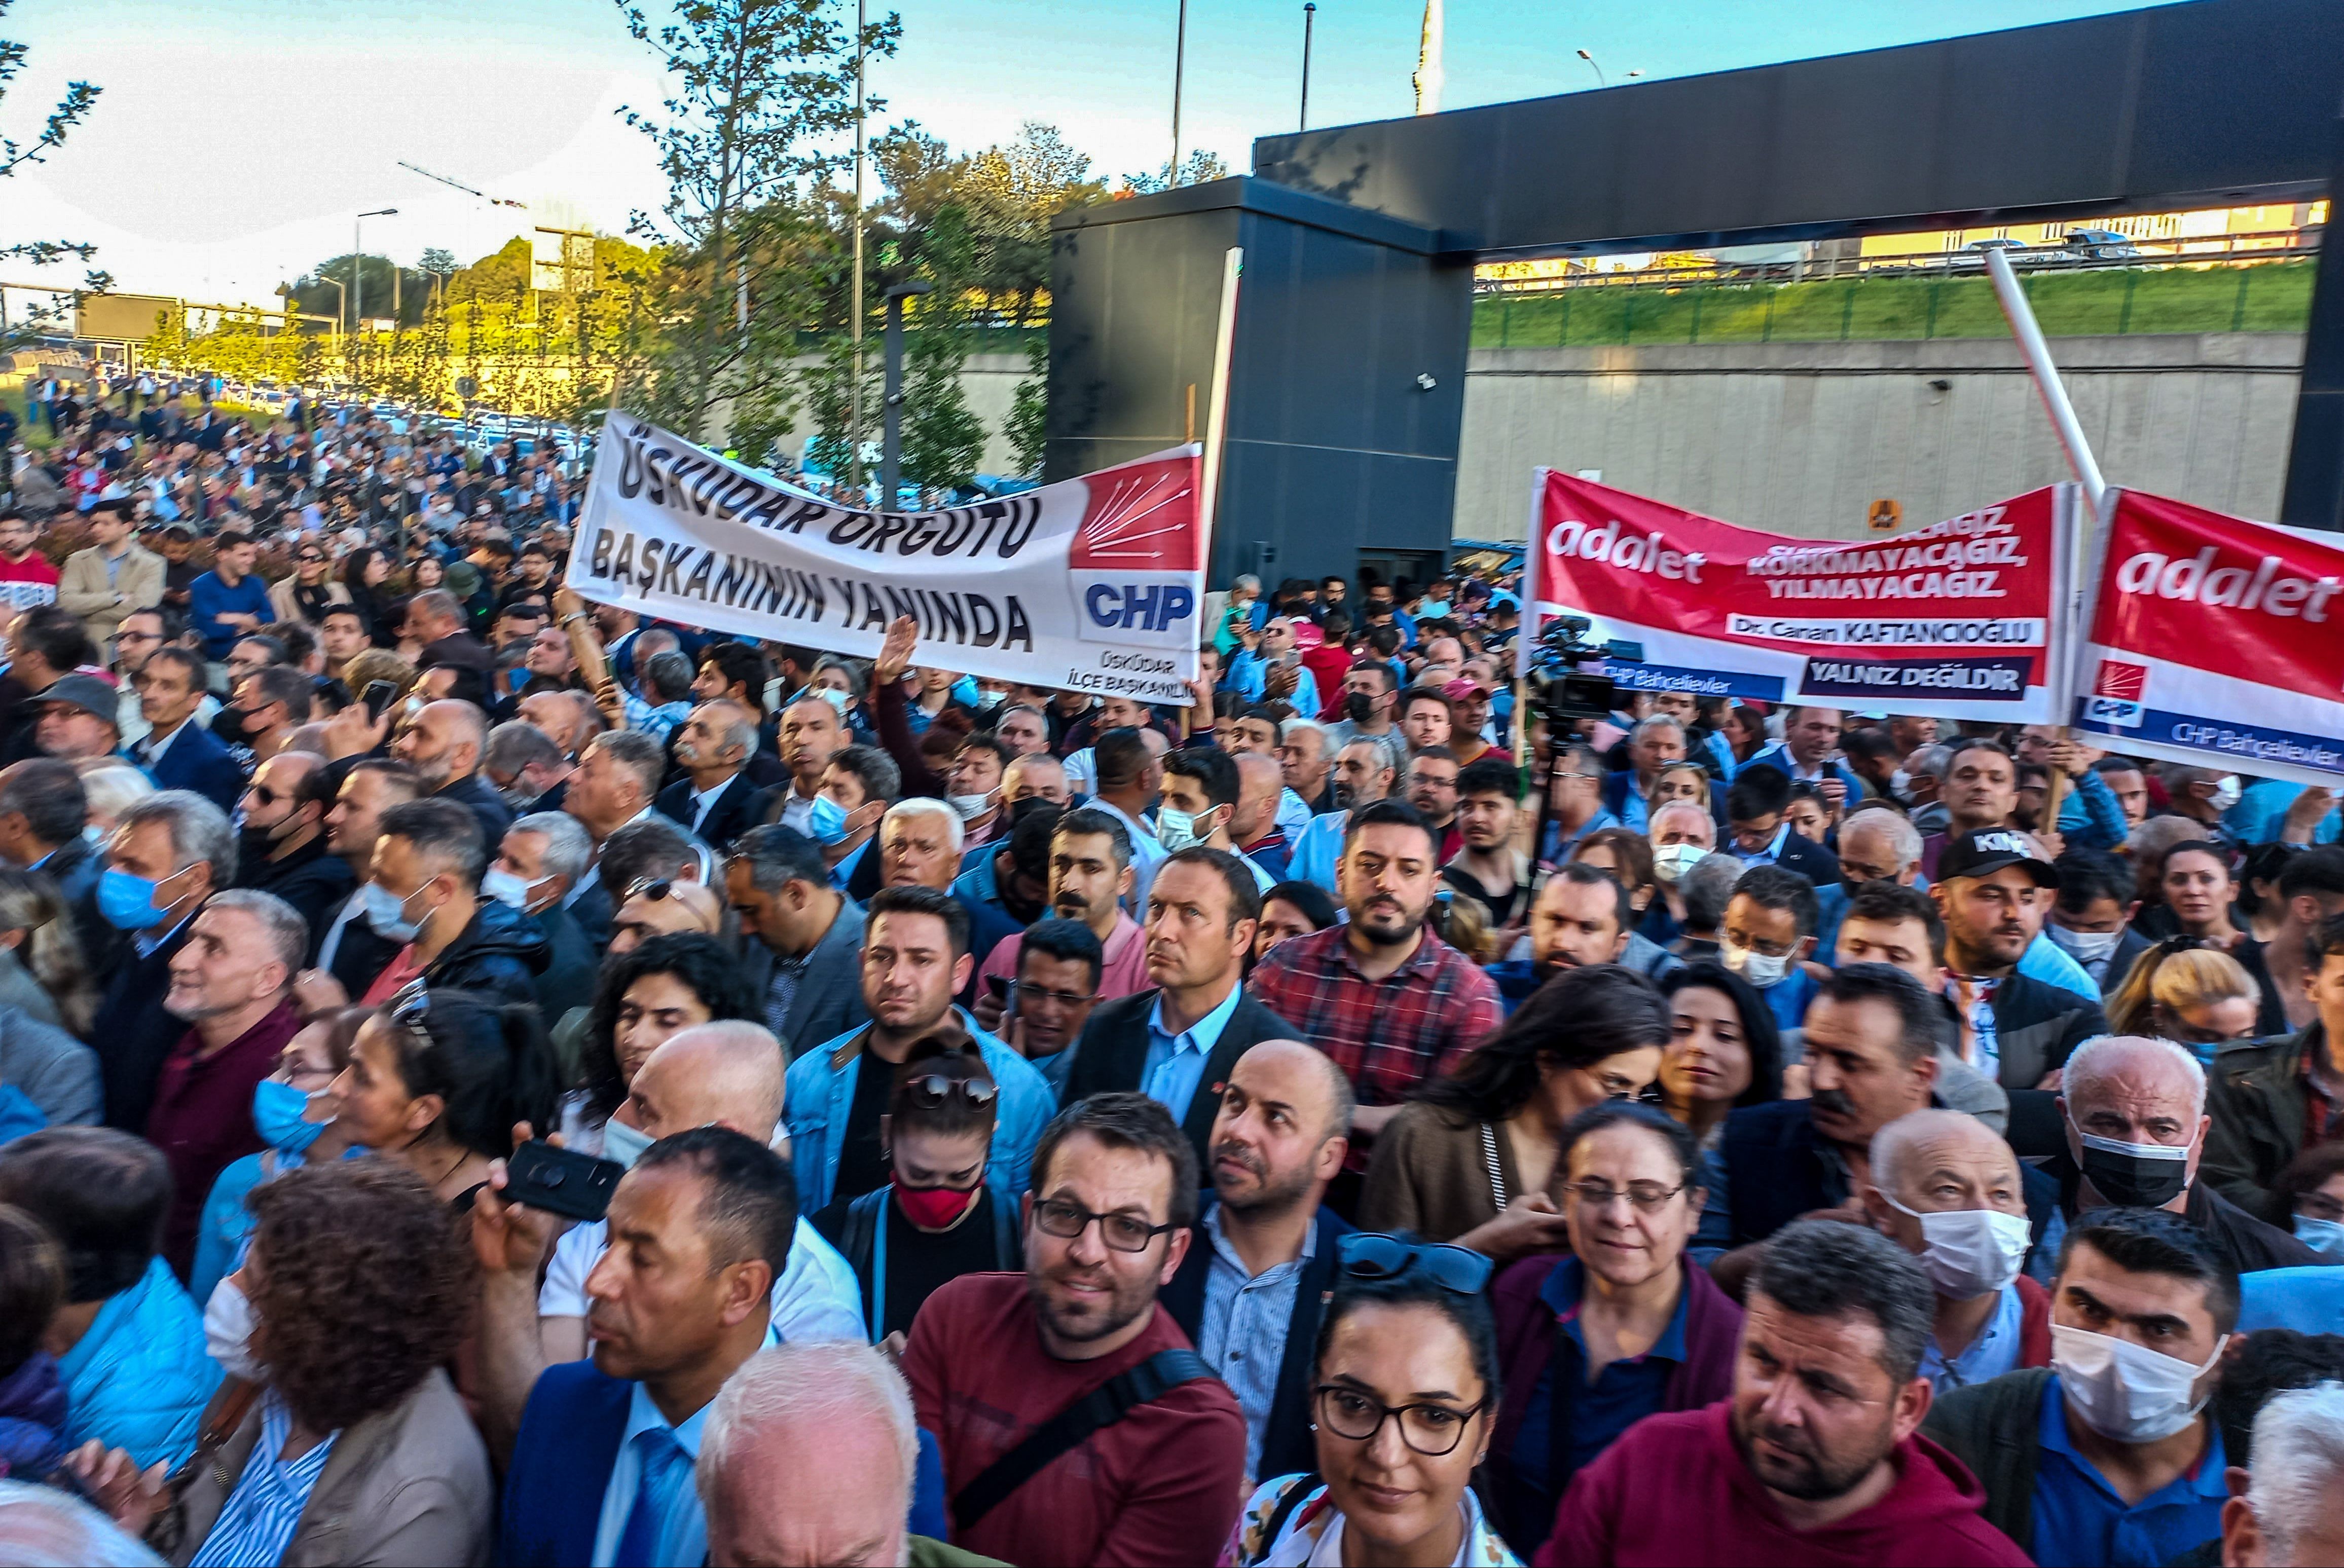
(436, 1080)
(1470, 1160)
(1291, 910)
(364, 572)
(355, 1447)
(937, 1217)
(665, 984)
(1625, 855)
(1396, 1462)
(424, 573)
(1745, 732)
(1621, 1326)
(1723, 1052)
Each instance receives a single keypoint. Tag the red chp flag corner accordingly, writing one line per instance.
(1955, 619)
(2214, 641)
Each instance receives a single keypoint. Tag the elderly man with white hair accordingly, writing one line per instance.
(920, 846)
(812, 1455)
(2134, 1119)
(2292, 1515)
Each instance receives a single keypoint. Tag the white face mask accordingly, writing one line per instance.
(1970, 1253)
(1900, 784)
(227, 1331)
(1670, 861)
(2226, 792)
(506, 887)
(1759, 969)
(969, 807)
(2083, 947)
(623, 1143)
(2124, 1393)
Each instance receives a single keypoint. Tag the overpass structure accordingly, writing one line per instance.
(1347, 384)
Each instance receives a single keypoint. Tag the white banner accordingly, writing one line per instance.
(1094, 584)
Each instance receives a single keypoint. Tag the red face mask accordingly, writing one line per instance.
(934, 1207)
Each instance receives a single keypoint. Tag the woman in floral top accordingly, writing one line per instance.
(1406, 1395)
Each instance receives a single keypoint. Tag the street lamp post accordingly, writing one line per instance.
(854, 303)
(891, 440)
(1309, 14)
(1594, 67)
(1179, 66)
(357, 261)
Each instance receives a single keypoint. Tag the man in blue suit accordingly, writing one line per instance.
(179, 753)
(601, 1469)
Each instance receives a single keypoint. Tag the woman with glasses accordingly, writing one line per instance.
(1404, 1398)
(436, 1080)
(1723, 1050)
(1470, 1160)
(1619, 1327)
(2190, 992)
(306, 596)
(937, 1217)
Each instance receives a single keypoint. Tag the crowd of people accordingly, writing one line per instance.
(1345, 1119)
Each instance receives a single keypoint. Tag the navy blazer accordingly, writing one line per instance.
(735, 813)
(200, 761)
(568, 1445)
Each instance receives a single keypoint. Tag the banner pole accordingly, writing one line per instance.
(2070, 430)
(1526, 617)
(1217, 414)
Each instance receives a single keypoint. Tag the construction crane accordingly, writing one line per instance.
(459, 185)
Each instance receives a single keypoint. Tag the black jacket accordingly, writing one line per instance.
(1112, 1054)
(316, 883)
(75, 866)
(473, 790)
(132, 1031)
(2038, 1027)
(570, 964)
(501, 954)
(733, 814)
(1812, 861)
(1287, 1444)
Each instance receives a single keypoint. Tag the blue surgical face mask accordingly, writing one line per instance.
(964, 692)
(279, 1113)
(127, 903)
(623, 1143)
(826, 821)
(386, 911)
(2325, 1237)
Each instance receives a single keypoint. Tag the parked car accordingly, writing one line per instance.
(1971, 257)
(2102, 244)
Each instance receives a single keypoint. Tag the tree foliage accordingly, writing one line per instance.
(71, 110)
(1029, 409)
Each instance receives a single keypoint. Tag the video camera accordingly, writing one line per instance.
(1561, 692)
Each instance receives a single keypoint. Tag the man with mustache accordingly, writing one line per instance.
(1090, 875)
(1250, 1291)
(993, 1360)
(1816, 1456)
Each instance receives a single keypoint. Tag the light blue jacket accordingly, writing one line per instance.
(139, 1379)
(820, 1093)
(1318, 849)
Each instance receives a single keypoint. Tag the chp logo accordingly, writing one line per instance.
(2117, 694)
(1135, 559)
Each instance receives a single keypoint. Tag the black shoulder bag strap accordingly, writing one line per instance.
(1101, 1408)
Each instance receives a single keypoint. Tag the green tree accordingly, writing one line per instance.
(1195, 169)
(759, 91)
(1029, 410)
(71, 110)
(439, 263)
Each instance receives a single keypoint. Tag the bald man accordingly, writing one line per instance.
(1253, 828)
(725, 1074)
(1278, 1139)
(1947, 1189)
(443, 743)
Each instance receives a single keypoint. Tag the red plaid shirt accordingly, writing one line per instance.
(1389, 1035)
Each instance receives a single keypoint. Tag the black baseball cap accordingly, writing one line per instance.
(1983, 851)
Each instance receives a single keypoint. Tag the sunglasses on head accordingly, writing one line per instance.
(651, 888)
(1378, 1255)
(930, 1091)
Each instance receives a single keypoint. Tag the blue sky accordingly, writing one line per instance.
(235, 137)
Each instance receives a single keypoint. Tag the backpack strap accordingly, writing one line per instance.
(1101, 1408)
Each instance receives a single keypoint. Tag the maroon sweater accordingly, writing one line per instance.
(202, 1117)
(1161, 1486)
(1675, 1491)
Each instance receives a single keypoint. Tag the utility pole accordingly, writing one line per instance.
(1309, 14)
(1179, 66)
(891, 441)
(854, 309)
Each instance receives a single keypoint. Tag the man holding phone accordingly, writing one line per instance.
(1045, 1006)
(1809, 753)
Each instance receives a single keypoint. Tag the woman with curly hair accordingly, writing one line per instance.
(665, 984)
(356, 1448)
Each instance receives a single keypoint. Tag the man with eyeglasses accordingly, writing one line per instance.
(1576, 792)
(1817, 1455)
(993, 1360)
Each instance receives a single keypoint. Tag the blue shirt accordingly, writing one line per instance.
(1993, 1353)
(1242, 1334)
(209, 597)
(1176, 1062)
(256, 1522)
(2080, 1520)
(1622, 1393)
(683, 1528)
(1787, 998)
